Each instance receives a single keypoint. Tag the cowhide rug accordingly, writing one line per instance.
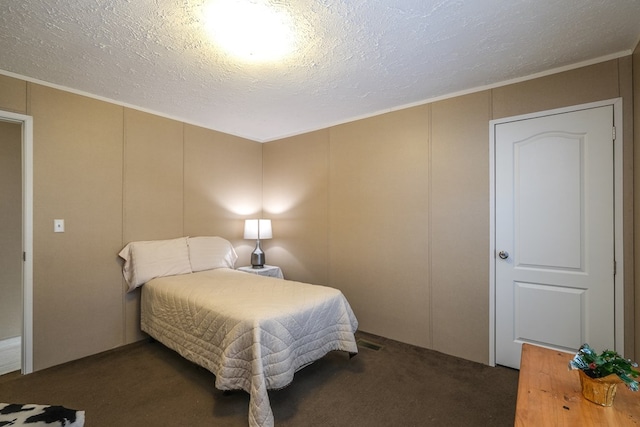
(15, 414)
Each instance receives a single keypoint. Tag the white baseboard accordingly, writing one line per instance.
(10, 355)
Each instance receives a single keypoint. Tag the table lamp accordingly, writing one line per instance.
(257, 229)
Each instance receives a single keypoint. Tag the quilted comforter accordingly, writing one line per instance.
(252, 332)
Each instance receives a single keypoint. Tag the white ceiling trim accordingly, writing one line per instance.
(328, 125)
(467, 92)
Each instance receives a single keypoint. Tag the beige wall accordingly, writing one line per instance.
(10, 230)
(378, 212)
(13, 94)
(114, 175)
(459, 231)
(183, 180)
(407, 222)
(77, 162)
(223, 185)
(297, 201)
(392, 209)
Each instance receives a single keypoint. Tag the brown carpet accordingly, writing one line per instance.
(146, 384)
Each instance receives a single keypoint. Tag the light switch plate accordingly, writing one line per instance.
(58, 225)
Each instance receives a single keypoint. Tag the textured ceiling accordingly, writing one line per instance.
(353, 58)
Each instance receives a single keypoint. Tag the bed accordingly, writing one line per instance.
(252, 332)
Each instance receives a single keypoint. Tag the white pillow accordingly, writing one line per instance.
(156, 258)
(207, 253)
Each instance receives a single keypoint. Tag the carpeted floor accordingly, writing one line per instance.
(146, 384)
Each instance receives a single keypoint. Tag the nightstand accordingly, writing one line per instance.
(267, 270)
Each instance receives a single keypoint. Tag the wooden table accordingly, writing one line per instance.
(549, 394)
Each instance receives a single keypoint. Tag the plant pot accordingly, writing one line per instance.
(599, 390)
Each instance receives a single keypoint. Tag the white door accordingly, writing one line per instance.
(554, 200)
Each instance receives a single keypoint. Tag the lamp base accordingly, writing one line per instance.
(257, 256)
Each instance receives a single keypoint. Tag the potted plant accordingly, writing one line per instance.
(601, 373)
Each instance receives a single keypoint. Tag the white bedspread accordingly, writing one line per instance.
(252, 332)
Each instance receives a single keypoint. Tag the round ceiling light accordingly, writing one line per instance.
(254, 31)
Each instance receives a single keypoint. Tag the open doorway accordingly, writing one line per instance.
(16, 242)
(10, 246)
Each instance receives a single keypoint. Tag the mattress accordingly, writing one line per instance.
(252, 332)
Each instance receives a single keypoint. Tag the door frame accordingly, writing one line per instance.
(27, 235)
(618, 217)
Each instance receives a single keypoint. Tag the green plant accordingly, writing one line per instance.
(609, 362)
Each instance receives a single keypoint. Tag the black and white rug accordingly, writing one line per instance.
(16, 414)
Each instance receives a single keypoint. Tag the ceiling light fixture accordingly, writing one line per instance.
(252, 30)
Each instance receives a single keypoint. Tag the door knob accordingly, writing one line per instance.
(503, 254)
